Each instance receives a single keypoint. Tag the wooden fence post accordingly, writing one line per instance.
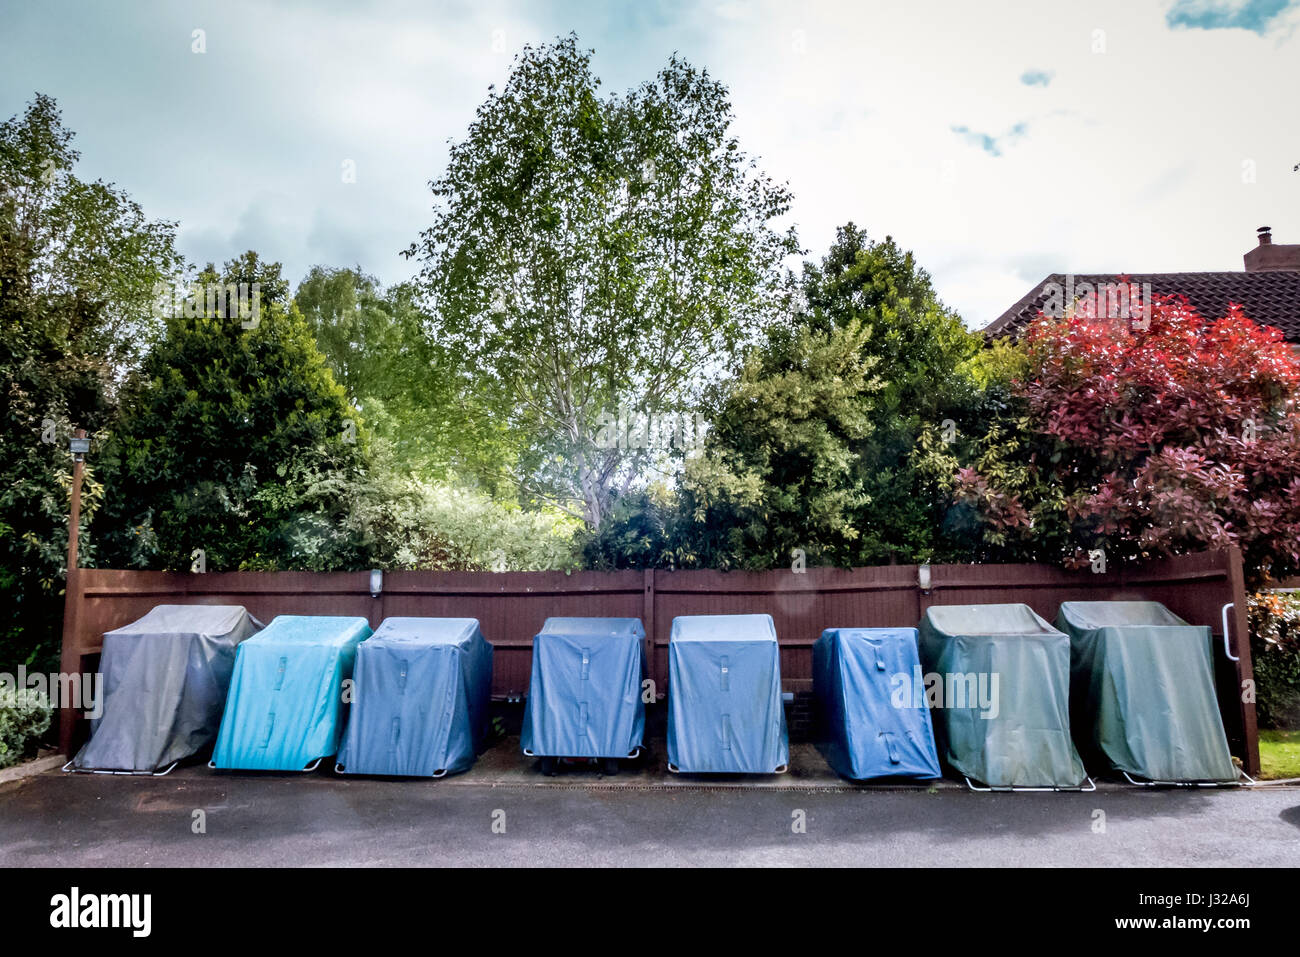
(648, 621)
(1240, 625)
(70, 655)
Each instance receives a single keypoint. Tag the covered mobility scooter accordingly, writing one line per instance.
(874, 721)
(165, 682)
(1142, 692)
(285, 707)
(421, 691)
(1004, 717)
(584, 698)
(724, 696)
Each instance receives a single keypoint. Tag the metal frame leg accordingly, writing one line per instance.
(1249, 782)
(1088, 787)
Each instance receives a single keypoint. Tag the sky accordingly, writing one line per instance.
(1000, 141)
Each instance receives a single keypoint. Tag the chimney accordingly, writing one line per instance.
(1267, 257)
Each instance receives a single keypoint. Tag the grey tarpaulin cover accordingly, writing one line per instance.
(1142, 690)
(421, 691)
(1004, 679)
(871, 724)
(165, 682)
(724, 695)
(584, 699)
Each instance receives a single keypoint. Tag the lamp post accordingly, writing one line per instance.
(79, 446)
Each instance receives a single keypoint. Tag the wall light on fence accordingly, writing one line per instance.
(376, 582)
(923, 577)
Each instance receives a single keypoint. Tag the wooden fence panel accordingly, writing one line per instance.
(512, 606)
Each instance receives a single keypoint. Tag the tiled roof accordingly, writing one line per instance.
(1268, 298)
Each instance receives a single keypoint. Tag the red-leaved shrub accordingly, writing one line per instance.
(1155, 438)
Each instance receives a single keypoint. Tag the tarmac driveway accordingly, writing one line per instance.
(504, 813)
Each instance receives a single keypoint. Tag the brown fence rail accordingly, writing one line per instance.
(511, 607)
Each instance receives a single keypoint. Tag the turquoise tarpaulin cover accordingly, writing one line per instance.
(724, 695)
(871, 723)
(1004, 678)
(584, 699)
(285, 707)
(165, 682)
(1142, 690)
(421, 691)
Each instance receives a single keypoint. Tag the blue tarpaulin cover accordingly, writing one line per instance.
(584, 700)
(724, 695)
(872, 725)
(421, 691)
(285, 707)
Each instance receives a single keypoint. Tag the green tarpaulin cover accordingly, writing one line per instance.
(1142, 690)
(1001, 696)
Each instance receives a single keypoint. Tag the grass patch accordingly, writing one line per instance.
(1279, 754)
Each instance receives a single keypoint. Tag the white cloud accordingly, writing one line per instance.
(1132, 159)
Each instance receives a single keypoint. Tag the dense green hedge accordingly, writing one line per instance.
(1275, 647)
(24, 718)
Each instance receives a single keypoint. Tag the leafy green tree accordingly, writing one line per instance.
(643, 529)
(923, 354)
(370, 342)
(408, 386)
(780, 470)
(78, 266)
(413, 523)
(841, 437)
(918, 339)
(234, 439)
(592, 253)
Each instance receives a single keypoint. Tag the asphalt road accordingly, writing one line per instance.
(58, 819)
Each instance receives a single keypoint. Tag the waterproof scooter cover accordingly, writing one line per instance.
(285, 707)
(871, 723)
(165, 681)
(724, 696)
(421, 692)
(584, 699)
(1004, 676)
(1142, 690)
